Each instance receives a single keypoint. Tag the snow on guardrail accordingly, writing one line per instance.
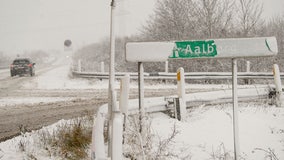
(189, 75)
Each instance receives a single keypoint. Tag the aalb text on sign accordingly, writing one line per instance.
(194, 49)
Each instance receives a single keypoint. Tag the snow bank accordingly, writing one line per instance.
(209, 129)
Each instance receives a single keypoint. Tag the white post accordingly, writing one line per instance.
(124, 94)
(166, 66)
(181, 93)
(123, 102)
(235, 109)
(117, 129)
(247, 81)
(247, 66)
(79, 66)
(102, 67)
(111, 103)
(278, 86)
(98, 145)
(142, 129)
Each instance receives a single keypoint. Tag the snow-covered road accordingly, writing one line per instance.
(52, 95)
(44, 99)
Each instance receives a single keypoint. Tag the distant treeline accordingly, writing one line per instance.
(190, 20)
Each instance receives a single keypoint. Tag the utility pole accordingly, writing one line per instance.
(111, 93)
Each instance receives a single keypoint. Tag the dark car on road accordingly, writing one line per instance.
(21, 66)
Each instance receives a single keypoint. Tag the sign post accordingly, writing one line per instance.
(141, 101)
(235, 108)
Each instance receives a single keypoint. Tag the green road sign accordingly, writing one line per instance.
(191, 49)
(194, 49)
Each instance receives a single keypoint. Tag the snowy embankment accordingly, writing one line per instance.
(208, 131)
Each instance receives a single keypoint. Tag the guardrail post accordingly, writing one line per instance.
(166, 71)
(79, 66)
(124, 95)
(247, 81)
(181, 93)
(278, 87)
(166, 66)
(117, 130)
(248, 66)
(98, 146)
(102, 67)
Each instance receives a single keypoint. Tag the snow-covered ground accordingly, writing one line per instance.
(58, 78)
(207, 130)
(10, 101)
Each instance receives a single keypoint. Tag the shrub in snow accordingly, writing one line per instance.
(153, 148)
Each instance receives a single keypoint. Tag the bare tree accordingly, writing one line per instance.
(275, 27)
(188, 19)
(172, 19)
(215, 17)
(249, 16)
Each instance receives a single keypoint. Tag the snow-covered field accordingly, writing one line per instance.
(207, 131)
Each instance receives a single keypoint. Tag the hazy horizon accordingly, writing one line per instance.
(38, 24)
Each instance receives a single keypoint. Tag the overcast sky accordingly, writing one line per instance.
(45, 24)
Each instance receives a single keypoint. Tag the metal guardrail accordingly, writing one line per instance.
(189, 75)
